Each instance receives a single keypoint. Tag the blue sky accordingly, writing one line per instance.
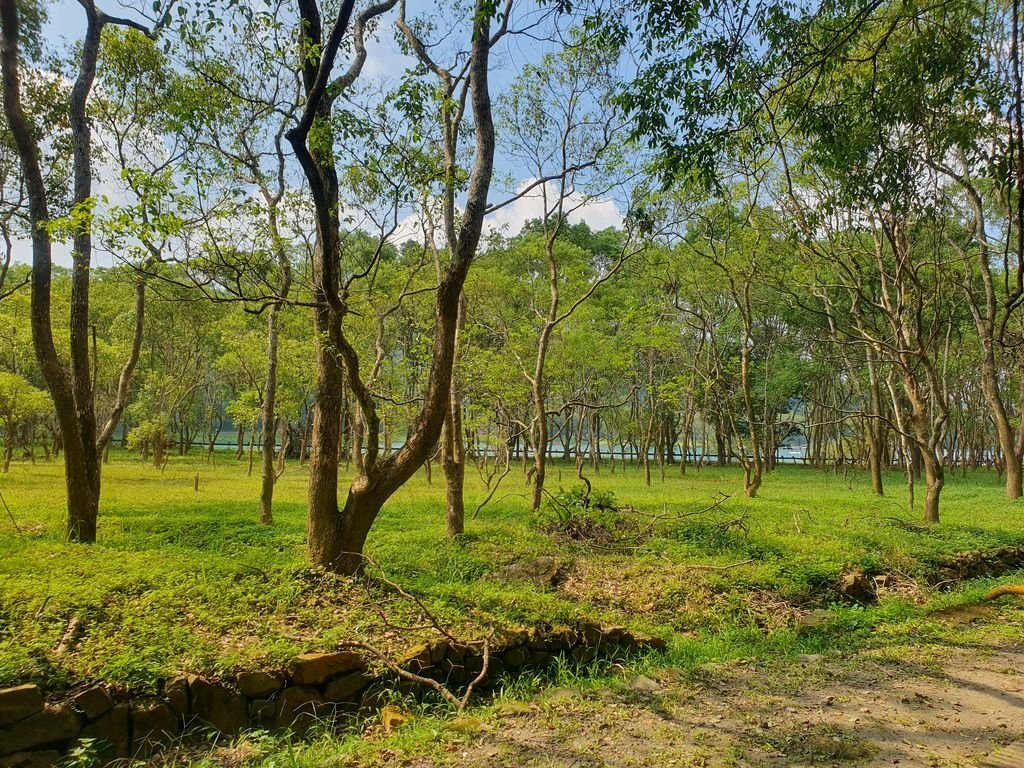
(66, 23)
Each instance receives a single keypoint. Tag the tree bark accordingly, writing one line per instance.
(267, 472)
(336, 537)
(453, 449)
(70, 387)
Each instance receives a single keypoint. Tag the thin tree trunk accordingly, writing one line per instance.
(268, 476)
(453, 452)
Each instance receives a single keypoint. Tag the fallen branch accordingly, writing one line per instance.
(458, 702)
(10, 514)
(419, 603)
(71, 635)
(718, 567)
(665, 517)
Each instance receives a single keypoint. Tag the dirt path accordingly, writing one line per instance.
(929, 705)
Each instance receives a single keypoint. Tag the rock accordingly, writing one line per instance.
(535, 641)
(153, 725)
(453, 672)
(644, 684)
(432, 673)
(465, 725)
(297, 708)
(647, 642)
(541, 658)
(583, 654)
(258, 685)
(92, 702)
(544, 571)
(438, 651)
(315, 668)
(392, 718)
(615, 635)
(416, 658)
(223, 709)
(262, 712)
(19, 702)
(54, 724)
(374, 697)
(813, 619)
(666, 675)
(591, 634)
(561, 640)
(112, 730)
(857, 586)
(502, 641)
(495, 667)
(42, 759)
(474, 665)
(176, 691)
(964, 614)
(346, 687)
(515, 657)
(456, 653)
(512, 709)
(560, 695)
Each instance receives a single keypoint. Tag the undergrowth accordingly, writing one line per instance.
(186, 581)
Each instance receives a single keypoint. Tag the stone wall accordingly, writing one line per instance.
(972, 565)
(36, 730)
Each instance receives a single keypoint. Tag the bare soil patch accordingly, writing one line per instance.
(908, 706)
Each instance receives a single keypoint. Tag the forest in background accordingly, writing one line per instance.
(820, 241)
(390, 383)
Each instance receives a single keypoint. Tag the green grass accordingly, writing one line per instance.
(188, 581)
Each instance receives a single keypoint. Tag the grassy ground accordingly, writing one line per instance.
(185, 580)
(939, 702)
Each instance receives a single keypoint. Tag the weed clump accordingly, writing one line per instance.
(581, 514)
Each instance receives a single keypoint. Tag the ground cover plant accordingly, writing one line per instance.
(188, 581)
(356, 325)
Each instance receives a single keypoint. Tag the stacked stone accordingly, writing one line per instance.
(314, 688)
(973, 565)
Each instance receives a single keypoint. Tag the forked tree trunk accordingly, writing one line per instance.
(928, 448)
(336, 537)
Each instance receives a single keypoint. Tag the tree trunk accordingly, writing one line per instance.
(876, 429)
(336, 537)
(268, 476)
(934, 481)
(453, 451)
(1004, 431)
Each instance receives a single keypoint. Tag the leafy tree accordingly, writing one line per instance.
(20, 405)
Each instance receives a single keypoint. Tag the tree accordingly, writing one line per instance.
(563, 125)
(870, 132)
(70, 385)
(336, 535)
(20, 403)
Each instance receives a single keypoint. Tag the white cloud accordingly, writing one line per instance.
(599, 213)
